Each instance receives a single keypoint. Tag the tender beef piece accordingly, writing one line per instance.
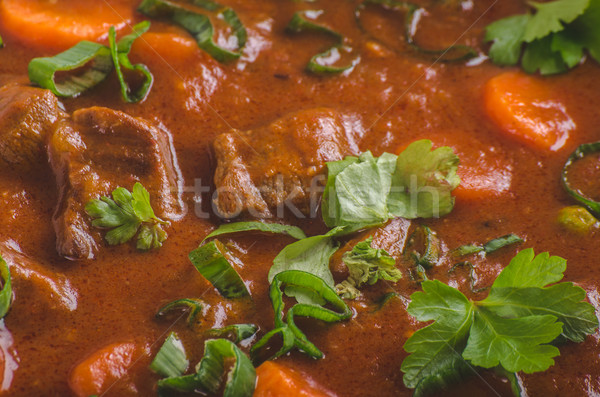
(27, 116)
(97, 151)
(32, 281)
(261, 170)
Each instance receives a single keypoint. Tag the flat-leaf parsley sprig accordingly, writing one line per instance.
(127, 214)
(512, 328)
(554, 37)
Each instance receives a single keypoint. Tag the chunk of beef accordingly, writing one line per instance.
(27, 116)
(264, 169)
(43, 288)
(97, 151)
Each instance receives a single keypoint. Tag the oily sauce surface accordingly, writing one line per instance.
(394, 96)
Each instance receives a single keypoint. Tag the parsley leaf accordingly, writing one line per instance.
(554, 37)
(367, 191)
(126, 214)
(512, 327)
(366, 265)
(550, 17)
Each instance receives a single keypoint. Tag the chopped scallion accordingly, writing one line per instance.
(235, 332)
(6, 292)
(120, 56)
(211, 261)
(194, 306)
(579, 153)
(199, 25)
(301, 23)
(171, 360)
(276, 228)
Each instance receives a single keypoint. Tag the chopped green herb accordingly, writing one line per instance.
(489, 247)
(120, 56)
(427, 247)
(6, 294)
(128, 213)
(101, 59)
(309, 255)
(367, 191)
(211, 261)
(235, 332)
(291, 335)
(413, 14)
(211, 372)
(276, 228)
(42, 71)
(512, 327)
(171, 359)
(301, 22)
(200, 25)
(194, 306)
(582, 151)
(554, 38)
(577, 219)
(366, 265)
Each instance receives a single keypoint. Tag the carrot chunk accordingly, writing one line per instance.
(165, 46)
(275, 380)
(61, 24)
(103, 368)
(524, 107)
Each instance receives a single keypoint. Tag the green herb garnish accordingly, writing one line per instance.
(101, 60)
(199, 25)
(171, 360)
(276, 228)
(367, 191)
(489, 247)
(127, 214)
(120, 56)
(301, 22)
(513, 327)
(582, 151)
(554, 38)
(413, 13)
(211, 371)
(291, 335)
(235, 332)
(6, 291)
(211, 261)
(309, 255)
(366, 265)
(194, 306)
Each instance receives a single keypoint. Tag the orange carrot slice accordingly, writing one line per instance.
(61, 24)
(166, 47)
(102, 368)
(275, 380)
(527, 109)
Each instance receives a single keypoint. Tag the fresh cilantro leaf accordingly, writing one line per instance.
(366, 265)
(512, 327)
(367, 191)
(550, 17)
(126, 214)
(423, 181)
